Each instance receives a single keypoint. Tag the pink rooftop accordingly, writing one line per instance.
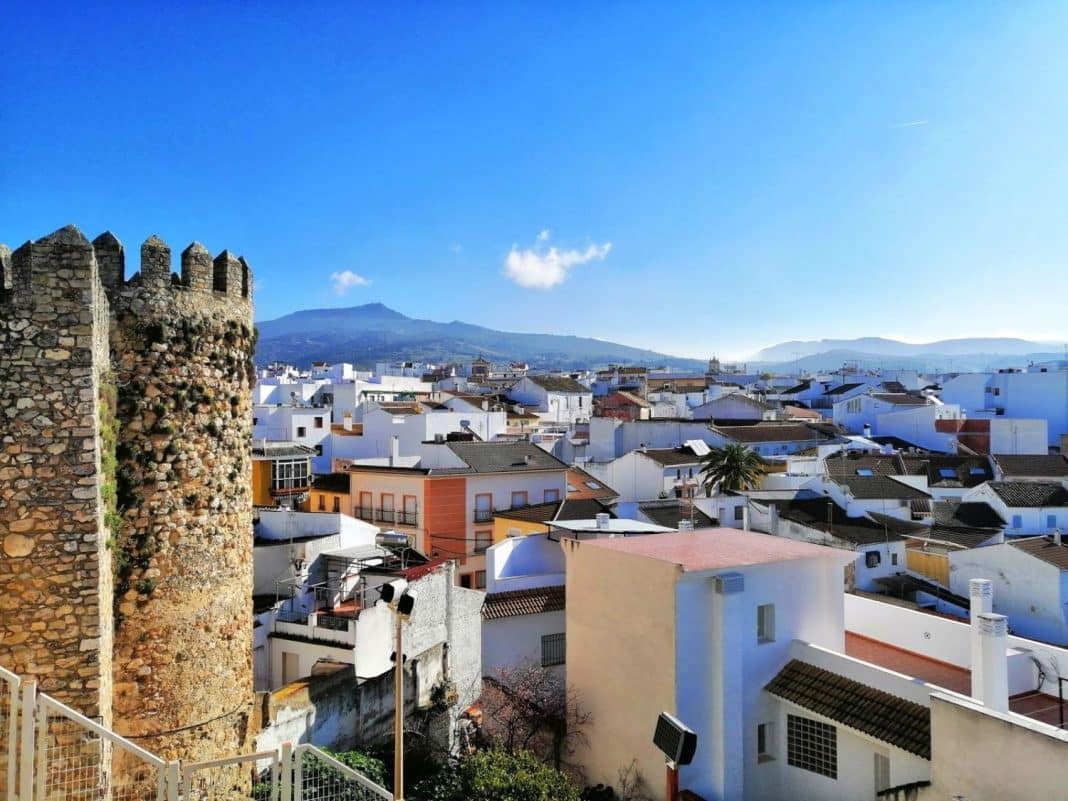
(718, 549)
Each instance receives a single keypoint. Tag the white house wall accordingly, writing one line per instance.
(512, 641)
(1029, 591)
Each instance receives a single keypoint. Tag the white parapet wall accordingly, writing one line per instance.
(949, 641)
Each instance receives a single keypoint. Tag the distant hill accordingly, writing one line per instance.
(878, 346)
(962, 355)
(364, 335)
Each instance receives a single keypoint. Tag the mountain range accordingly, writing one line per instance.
(364, 335)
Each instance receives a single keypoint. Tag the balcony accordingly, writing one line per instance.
(483, 515)
(385, 515)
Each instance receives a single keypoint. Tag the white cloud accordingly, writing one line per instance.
(544, 266)
(346, 280)
(912, 124)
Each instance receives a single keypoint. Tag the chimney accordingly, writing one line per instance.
(346, 421)
(1057, 537)
(394, 450)
(993, 641)
(981, 602)
(745, 516)
(867, 430)
(602, 521)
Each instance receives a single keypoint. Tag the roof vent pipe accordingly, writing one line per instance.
(602, 521)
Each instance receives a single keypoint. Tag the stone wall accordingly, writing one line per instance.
(166, 517)
(55, 569)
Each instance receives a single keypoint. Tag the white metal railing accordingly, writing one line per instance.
(54, 753)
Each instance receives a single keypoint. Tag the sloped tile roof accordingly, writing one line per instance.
(505, 457)
(558, 383)
(773, 432)
(1033, 466)
(332, 482)
(1046, 549)
(900, 399)
(841, 390)
(669, 513)
(515, 603)
(878, 487)
(971, 514)
(901, 723)
(1030, 494)
(879, 464)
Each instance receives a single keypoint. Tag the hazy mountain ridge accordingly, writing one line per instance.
(374, 332)
(882, 347)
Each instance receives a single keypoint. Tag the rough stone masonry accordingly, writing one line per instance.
(125, 487)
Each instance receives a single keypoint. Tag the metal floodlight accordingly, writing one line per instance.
(392, 591)
(406, 604)
(677, 740)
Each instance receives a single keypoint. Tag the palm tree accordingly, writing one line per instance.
(732, 467)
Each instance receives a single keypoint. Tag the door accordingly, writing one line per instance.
(290, 667)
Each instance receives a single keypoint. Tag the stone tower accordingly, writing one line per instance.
(145, 383)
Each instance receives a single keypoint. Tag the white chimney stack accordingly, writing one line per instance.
(602, 521)
(1057, 537)
(981, 602)
(346, 421)
(394, 450)
(994, 636)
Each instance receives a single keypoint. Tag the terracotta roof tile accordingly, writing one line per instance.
(897, 721)
(515, 603)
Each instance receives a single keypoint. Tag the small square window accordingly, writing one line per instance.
(553, 649)
(1051, 521)
(872, 559)
(739, 513)
(1017, 521)
(893, 558)
(465, 580)
(766, 623)
(947, 472)
(483, 540)
(318, 422)
(301, 431)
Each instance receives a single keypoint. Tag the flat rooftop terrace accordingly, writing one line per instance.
(1037, 706)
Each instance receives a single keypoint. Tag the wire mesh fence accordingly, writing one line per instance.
(9, 723)
(241, 778)
(320, 777)
(50, 752)
(78, 760)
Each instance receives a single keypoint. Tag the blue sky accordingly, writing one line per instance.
(700, 178)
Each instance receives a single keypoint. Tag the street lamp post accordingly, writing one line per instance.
(401, 601)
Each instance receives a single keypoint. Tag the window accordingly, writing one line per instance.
(519, 499)
(947, 472)
(766, 623)
(322, 503)
(319, 449)
(255, 421)
(483, 508)
(765, 742)
(853, 406)
(480, 579)
(553, 649)
(893, 559)
(318, 422)
(408, 516)
(811, 745)
(1051, 521)
(366, 503)
(301, 431)
(739, 513)
(552, 495)
(1017, 521)
(872, 559)
(976, 471)
(483, 540)
(593, 485)
(337, 504)
(385, 513)
(997, 390)
(465, 580)
(289, 475)
(865, 471)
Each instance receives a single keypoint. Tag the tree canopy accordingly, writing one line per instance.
(731, 467)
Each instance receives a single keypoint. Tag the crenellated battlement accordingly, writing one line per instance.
(29, 271)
